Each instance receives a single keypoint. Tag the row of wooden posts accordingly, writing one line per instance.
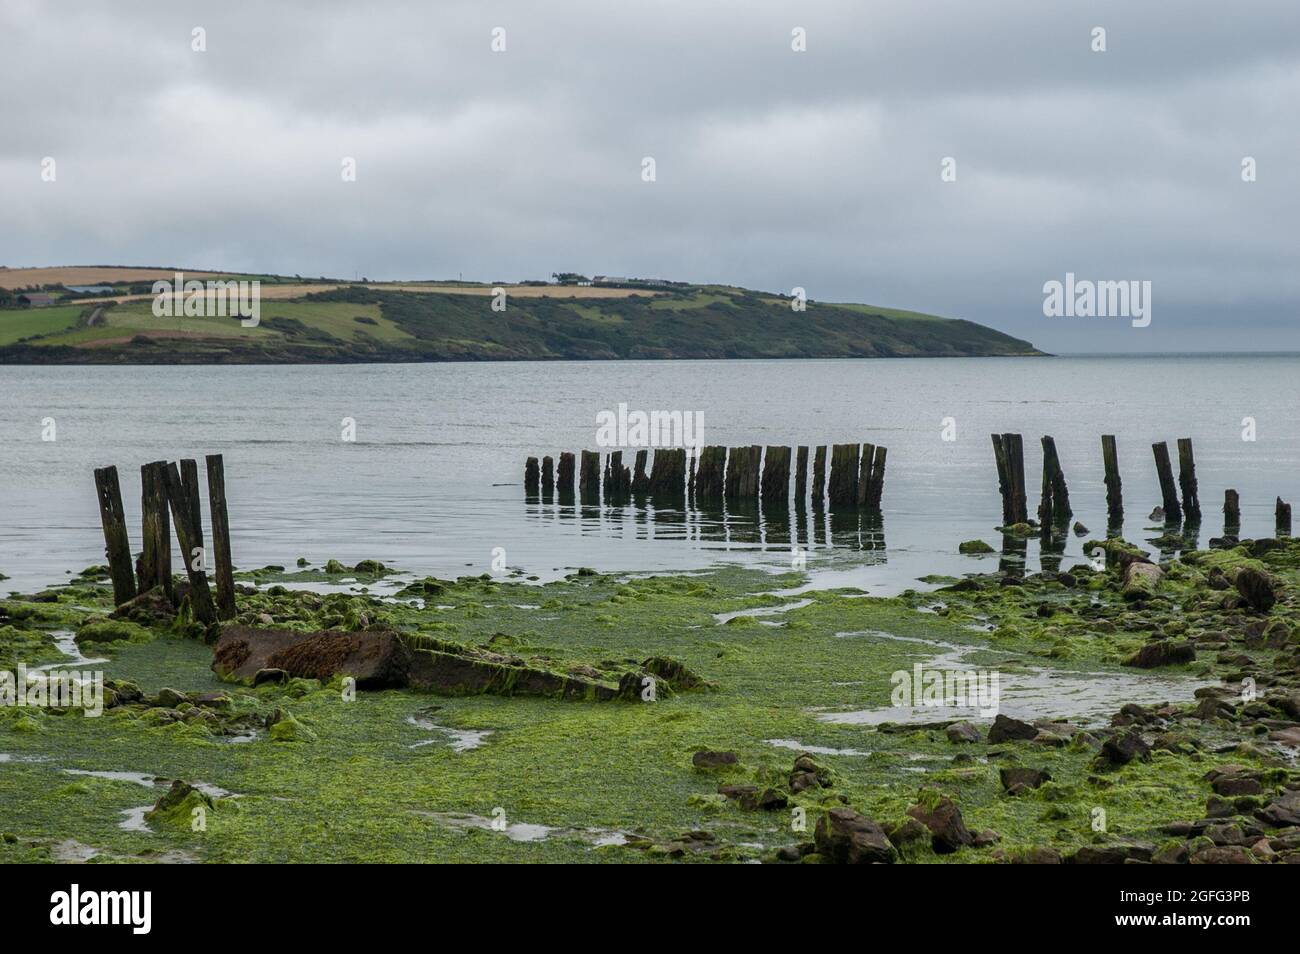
(1054, 506)
(170, 495)
(855, 476)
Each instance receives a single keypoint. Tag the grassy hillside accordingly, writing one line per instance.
(456, 323)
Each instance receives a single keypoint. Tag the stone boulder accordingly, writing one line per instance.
(843, 836)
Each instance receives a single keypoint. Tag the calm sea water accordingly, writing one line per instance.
(433, 481)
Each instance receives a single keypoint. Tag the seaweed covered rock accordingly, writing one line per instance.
(940, 814)
(176, 808)
(151, 606)
(974, 547)
(1256, 588)
(842, 836)
(1141, 579)
(1163, 652)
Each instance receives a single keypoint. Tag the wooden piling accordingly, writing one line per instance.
(190, 481)
(877, 479)
(776, 477)
(843, 482)
(1168, 490)
(1054, 507)
(1004, 478)
(1114, 487)
(1187, 479)
(589, 475)
(564, 475)
(742, 473)
(117, 546)
(668, 473)
(1009, 455)
(800, 477)
(548, 476)
(864, 474)
(1282, 515)
(819, 477)
(532, 477)
(155, 522)
(640, 479)
(1231, 513)
(191, 543)
(223, 568)
(710, 475)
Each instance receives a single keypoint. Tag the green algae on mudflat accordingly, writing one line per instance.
(376, 780)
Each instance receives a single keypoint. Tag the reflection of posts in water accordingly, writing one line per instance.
(1014, 551)
(843, 527)
(1051, 549)
(776, 524)
(873, 530)
(1192, 534)
(743, 522)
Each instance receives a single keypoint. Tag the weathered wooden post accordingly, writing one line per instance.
(877, 479)
(710, 476)
(190, 481)
(640, 479)
(776, 477)
(548, 476)
(117, 546)
(156, 524)
(1114, 488)
(1054, 507)
(564, 475)
(843, 488)
(1187, 479)
(819, 477)
(532, 477)
(1168, 490)
(668, 473)
(800, 476)
(1282, 515)
(1004, 477)
(589, 476)
(223, 568)
(1009, 454)
(191, 540)
(864, 474)
(1231, 513)
(742, 473)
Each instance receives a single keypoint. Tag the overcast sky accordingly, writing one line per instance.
(774, 168)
